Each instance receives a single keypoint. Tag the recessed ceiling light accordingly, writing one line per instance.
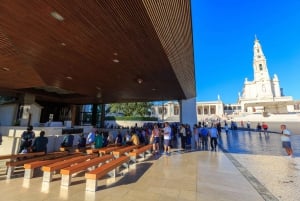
(57, 16)
(115, 53)
(63, 44)
(154, 89)
(69, 78)
(116, 60)
(140, 80)
(5, 69)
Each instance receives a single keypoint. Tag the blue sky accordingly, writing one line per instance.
(223, 35)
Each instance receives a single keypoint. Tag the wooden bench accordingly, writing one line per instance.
(140, 152)
(31, 166)
(21, 156)
(69, 149)
(11, 165)
(66, 173)
(108, 168)
(92, 151)
(125, 150)
(49, 169)
(108, 150)
(83, 149)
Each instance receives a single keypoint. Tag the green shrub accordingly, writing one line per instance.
(126, 118)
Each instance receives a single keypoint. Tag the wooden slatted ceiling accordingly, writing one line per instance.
(140, 34)
(172, 22)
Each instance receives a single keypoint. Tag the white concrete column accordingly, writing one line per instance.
(188, 114)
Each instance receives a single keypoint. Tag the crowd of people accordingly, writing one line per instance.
(163, 136)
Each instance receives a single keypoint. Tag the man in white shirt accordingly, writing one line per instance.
(286, 141)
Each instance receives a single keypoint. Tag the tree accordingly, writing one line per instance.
(132, 109)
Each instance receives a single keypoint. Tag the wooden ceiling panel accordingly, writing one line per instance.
(84, 48)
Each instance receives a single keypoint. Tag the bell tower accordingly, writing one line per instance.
(259, 62)
(261, 73)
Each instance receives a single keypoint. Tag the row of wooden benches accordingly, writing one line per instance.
(109, 161)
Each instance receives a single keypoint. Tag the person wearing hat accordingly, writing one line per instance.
(26, 140)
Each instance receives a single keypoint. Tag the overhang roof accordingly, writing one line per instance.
(97, 51)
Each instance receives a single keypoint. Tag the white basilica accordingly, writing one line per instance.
(263, 96)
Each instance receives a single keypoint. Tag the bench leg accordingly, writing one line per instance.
(28, 173)
(47, 177)
(142, 155)
(10, 172)
(91, 185)
(66, 180)
(113, 173)
(133, 159)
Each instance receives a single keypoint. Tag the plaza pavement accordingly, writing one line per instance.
(258, 170)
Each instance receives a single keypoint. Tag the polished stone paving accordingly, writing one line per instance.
(246, 166)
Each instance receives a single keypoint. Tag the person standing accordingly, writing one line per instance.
(196, 136)
(182, 133)
(286, 140)
(40, 143)
(204, 137)
(26, 140)
(213, 133)
(265, 127)
(167, 138)
(155, 137)
(90, 140)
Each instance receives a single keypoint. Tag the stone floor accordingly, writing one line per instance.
(258, 170)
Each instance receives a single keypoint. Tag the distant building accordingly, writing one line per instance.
(262, 95)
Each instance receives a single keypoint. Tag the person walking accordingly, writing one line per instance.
(286, 140)
(213, 133)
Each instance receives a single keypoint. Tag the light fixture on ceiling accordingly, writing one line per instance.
(57, 16)
(99, 95)
(116, 60)
(140, 80)
(69, 78)
(5, 69)
(63, 44)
